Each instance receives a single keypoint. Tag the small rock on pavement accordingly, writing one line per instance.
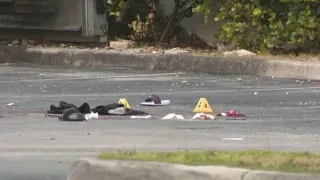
(176, 51)
(241, 52)
(24, 42)
(15, 42)
(122, 44)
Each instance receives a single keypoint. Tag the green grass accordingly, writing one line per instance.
(252, 159)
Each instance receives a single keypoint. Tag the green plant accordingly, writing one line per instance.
(144, 31)
(135, 19)
(269, 26)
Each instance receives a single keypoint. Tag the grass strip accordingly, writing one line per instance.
(251, 159)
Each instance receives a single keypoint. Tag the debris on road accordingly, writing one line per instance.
(11, 104)
(177, 50)
(241, 52)
(173, 116)
(109, 109)
(63, 106)
(72, 114)
(232, 113)
(92, 115)
(155, 100)
(204, 116)
(232, 139)
(141, 117)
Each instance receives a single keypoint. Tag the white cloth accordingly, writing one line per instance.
(173, 116)
(118, 111)
(92, 115)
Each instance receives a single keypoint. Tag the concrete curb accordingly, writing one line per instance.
(94, 169)
(164, 62)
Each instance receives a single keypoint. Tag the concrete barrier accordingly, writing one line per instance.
(164, 62)
(93, 169)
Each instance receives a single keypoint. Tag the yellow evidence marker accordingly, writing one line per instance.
(203, 106)
(124, 102)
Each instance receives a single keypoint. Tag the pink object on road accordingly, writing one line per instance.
(234, 113)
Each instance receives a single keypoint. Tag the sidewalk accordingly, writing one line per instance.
(309, 70)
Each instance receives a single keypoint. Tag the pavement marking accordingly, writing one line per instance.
(147, 93)
(281, 89)
(232, 139)
(115, 94)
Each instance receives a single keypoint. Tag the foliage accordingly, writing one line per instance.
(135, 19)
(268, 26)
(145, 31)
(144, 20)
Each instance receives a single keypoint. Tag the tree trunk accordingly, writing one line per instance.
(170, 22)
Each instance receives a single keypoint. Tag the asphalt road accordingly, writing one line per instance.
(283, 114)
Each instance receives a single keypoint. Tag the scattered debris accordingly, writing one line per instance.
(117, 111)
(176, 50)
(173, 116)
(109, 109)
(15, 42)
(203, 116)
(92, 115)
(241, 52)
(155, 100)
(232, 139)
(24, 42)
(122, 44)
(226, 47)
(232, 113)
(141, 117)
(72, 114)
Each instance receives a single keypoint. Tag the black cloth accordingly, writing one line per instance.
(67, 115)
(135, 112)
(63, 106)
(104, 110)
(85, 109)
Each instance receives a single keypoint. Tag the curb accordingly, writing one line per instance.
(94, 169)
(164, 62)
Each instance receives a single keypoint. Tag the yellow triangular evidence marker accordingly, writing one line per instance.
(203, 106)
(124, 102)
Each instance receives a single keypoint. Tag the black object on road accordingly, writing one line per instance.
(72, 114)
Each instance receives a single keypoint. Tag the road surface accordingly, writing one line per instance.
(283, 114)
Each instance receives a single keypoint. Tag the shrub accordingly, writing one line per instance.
(275, 26)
